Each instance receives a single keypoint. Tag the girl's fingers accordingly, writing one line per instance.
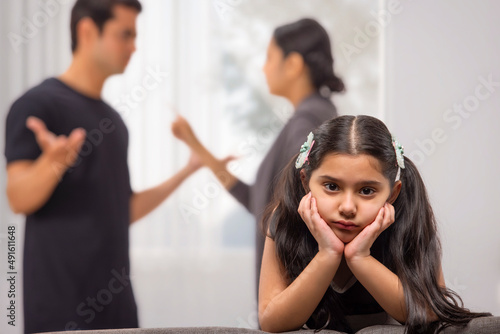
(304, 206)
(376, 226)
(314, 207)
(371, 232)
(380, 216)
(316, 218)
(309, 212)
(389, 216)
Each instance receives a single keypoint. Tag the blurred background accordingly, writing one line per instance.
(429, 69)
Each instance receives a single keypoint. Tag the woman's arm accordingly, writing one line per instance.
(182, 130)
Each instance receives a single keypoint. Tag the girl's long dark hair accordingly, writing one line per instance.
(411, 245)
(308, 38)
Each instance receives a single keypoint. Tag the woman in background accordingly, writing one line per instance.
(299, 67)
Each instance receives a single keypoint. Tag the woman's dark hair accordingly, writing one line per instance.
(99, 11)
(308, 38)
(411, 245)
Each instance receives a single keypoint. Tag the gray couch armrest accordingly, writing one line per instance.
(485, 325)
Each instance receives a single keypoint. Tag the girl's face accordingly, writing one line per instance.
(274, 69)
(350, 191)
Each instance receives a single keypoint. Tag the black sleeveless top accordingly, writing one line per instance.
(356, 300)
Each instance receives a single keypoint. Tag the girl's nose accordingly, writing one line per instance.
(347, 206)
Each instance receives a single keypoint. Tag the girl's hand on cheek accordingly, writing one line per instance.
(360, 246)
(327, 240)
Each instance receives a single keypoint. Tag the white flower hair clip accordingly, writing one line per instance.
(400, 159)
(304, 151)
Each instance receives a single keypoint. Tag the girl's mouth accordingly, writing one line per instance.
(345, 225)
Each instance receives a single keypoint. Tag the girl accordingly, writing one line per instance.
(362, 248)
(299, 64)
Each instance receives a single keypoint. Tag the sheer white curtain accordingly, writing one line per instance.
(192, 258)
(196, 250)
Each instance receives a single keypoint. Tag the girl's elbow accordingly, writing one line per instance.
(266, 325)
(401, 318)
(265, 321)
(269, 324)
(398, 315)
(269, 327)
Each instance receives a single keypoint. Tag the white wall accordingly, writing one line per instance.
(437, 53)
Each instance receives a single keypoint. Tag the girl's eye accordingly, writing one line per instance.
(331, 187)
(367, 191)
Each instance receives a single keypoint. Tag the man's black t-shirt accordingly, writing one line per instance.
(76, 262)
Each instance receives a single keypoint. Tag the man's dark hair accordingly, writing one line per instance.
(99, 11)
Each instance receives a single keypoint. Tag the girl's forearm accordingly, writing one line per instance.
(292, 308)
(382, 284)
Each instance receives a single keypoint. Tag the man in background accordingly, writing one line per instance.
(67, 169)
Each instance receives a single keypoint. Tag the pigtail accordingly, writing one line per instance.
(416, 259)
(284, 224)
(287, 194)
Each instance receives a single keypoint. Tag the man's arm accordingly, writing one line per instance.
(142, 203)
(30, 183)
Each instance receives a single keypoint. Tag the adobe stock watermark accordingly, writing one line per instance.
(454, 117)
(250, 148)
(372, 29)
(226, 9)
(94, 138)
(126, 103)
(201, 199)
(456, 286)
(32, 25)
(251, 321)
(92, 305)
(247, 149)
